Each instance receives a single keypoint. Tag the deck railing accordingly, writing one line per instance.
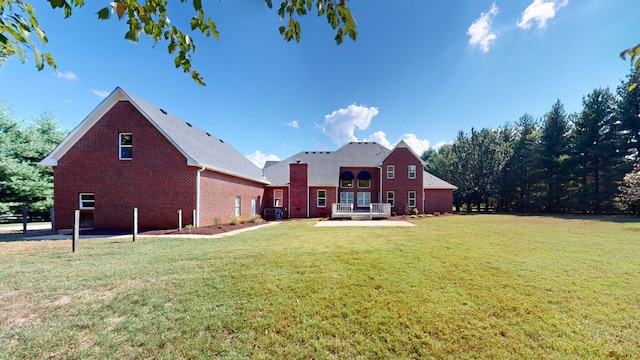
(346, 211)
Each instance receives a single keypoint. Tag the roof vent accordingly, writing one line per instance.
(209, 135)
(163, 111)
(221, 141)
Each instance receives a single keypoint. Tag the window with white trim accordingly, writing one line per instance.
(346, 183)
(391, 171)
(390, 198)
(364, 199)
(237, 206)
(364, 183)
(412, 171)
(412, 199)
(346, 198)
(87, 201)
(125, 147)
(277, 198)
(322, 198)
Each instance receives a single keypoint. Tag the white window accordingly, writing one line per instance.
(412, 199)
(346, 198)
(87, 201)
(277, 198)
(364, 199)
(390, 197)
(237, 205)
(322, 198)
(412, 171)
(364, 183)
(125, 147)
(391, 171)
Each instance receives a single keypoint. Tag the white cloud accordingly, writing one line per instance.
(380, 137)
(440, 144)
(418, 146)
(260, 159)
(540, 11)
(68, 100)
(69, 75)
(480, 32)
(293, 124)
(341, 124)
(101, 93)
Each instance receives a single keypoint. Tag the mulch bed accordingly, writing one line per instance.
(203, 230)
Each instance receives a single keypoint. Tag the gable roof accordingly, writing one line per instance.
(198, 147)
(324, 166)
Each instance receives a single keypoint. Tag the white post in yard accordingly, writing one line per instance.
(76, 230)
(179, 219)
(135, 223)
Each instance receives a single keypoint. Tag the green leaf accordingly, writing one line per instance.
(37, 56)
(103, 13)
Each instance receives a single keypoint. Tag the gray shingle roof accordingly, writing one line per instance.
(200, 148)
(324, 166)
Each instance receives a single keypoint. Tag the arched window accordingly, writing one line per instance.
(364, 179)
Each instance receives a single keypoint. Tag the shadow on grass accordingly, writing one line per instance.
(607, 218)
(20, 236)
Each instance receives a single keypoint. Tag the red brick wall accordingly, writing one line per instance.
(401, 158)
(438, 200)
(331, 196)
(299, 188)
(268, 199)
(157, 180)
(218, 195)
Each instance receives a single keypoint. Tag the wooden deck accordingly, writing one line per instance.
(346, 211)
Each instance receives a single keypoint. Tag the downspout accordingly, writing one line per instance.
(380, 198)
(197, 219)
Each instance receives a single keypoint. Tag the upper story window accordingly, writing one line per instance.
(412, 171)
(87, 201)
(322, 198)
(346, 179)
(364, 179)
(391, 171)
(277, 198)
(126, 146)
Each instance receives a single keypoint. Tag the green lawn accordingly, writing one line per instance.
(486, 286)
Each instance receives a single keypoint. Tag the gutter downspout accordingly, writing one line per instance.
(197, 217)
(380, 198)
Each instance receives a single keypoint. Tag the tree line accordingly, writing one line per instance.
(22, 145)
(584, 162)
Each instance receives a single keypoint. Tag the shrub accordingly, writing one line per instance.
(234, 220)
(217, 221)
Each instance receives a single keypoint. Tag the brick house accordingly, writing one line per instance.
(359, 173)
(128, 153)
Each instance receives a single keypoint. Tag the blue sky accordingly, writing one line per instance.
(420, 70)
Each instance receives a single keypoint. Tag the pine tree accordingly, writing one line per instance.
(554, 154)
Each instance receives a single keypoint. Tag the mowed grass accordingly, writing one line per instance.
(488, 286)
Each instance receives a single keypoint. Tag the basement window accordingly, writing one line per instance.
(126, 146)
(87, 201)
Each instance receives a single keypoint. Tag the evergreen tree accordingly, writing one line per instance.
(522, 169)
(554, 153)
(22, 181)
(628, 113)
(597, 153)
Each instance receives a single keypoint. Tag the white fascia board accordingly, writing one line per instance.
(82, 128)
(191, 162)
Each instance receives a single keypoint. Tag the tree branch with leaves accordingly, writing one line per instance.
(634, 57)
(151, 18)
